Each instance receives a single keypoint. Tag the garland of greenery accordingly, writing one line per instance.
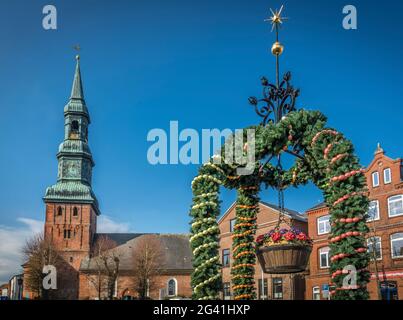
(243, 251)
(206, 278)
(329, 162)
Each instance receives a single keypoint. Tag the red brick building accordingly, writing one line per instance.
(385, 240)
(268, 286)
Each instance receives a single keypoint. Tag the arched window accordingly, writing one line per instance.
(74, 126)
(59, 211)
(172, 287)
(75, 212)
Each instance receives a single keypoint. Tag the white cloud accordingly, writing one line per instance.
(11, 242)
(107, 225)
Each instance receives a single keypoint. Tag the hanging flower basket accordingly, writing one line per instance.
(283, 251)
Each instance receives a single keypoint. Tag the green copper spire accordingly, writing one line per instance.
(77, 89)
(74, 156)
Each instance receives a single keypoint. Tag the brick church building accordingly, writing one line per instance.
(71, 218)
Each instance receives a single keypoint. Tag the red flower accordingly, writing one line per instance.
(260, 238)
(276, 236)
(302, 236)
(289, 236)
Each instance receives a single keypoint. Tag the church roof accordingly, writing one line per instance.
(119, 238)
(177, 255)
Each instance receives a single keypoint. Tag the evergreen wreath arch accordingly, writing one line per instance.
(328, 161)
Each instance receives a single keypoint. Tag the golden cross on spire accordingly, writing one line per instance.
(77, 48)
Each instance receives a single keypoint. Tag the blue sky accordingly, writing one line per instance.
(145, 63)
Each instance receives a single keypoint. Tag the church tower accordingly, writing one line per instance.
(71, 206)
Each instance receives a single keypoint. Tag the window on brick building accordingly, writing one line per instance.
(59, 211)
(227, 290)
(374, 245)
(375, 179)
(231, 225)
(75, 212)
(324, 261)
(67, 234)
(323, 224)
(315, 293)
(387, 176)
(395, 205)
(277, 286)
(225, 258)
(172, 284)
(396, 243)
(373, 210)
(263, 290)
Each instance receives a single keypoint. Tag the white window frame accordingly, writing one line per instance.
(176, 287)
(384, 176)
(232, 224)
(375, 174)
(318, 222)
(391, 244)
(315, 291)
(377, 216)
(389, 201)
(369, 242)
(325, 251)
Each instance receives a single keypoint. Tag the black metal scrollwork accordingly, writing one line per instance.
(278, 100)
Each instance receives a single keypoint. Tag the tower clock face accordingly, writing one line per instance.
(71, 169)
